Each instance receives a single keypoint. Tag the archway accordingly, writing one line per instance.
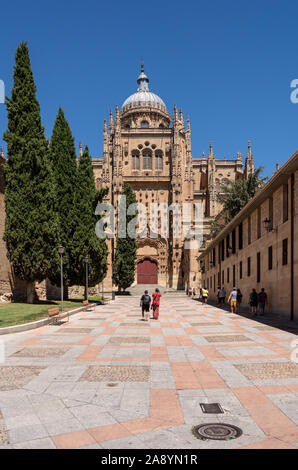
(147, 272)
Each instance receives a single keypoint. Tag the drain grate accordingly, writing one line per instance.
(216, 432)
(211, 408)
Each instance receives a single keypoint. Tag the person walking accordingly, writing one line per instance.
(262, 301)
(218, 294)
(222, 296)
(232, 300)
(253, 301)
(205, 295)
(145, 304)
(239, 300)
(155, 303)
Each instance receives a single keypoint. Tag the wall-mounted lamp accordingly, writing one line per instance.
(268, 225)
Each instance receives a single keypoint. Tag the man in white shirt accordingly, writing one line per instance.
(233, 300)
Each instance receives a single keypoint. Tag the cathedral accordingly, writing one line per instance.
(147, 148)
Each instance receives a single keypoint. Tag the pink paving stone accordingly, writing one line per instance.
(269, 444)
(73, 440)
(109, 432)
(269, 418)
(207, 375)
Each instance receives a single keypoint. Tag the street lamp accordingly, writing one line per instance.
(86, 259)
(61, 250)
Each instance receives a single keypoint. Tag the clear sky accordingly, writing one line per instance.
(227, 63)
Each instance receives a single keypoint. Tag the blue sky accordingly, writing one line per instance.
(228, 64)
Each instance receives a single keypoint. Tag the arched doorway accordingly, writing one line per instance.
(147, 272)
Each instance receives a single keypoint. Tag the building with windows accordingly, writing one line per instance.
(259, 247)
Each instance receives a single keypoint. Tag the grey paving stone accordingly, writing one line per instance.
(45, 443)
(91, 417)
(26, 433)
(63, 426)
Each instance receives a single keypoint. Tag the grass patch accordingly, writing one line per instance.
(19, 313)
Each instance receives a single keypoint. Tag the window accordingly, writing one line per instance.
(285, 252)
(214, 282)
(158, 161)
(135, 161)
(223, 277)
(234, 241)
(218, 279)
(234, 275)
(208, 283)
(227, 246)
(259, 223)
(214, 257)
(147, 160)
(249, 230)
(223, 250)
(271, 211)
(270, 258)
(144, 124)
(240, 270)
(240, 236)
(248, 266)
(228, 275)
(259, 267)
(285, 202)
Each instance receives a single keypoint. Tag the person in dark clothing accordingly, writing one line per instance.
(145, 303)
(253, 301)
(239, 300)
(262, 300)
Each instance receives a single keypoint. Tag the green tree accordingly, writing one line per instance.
(85, 242)
(126, 250)
(234, 196)
(31, 225)
(64, 163)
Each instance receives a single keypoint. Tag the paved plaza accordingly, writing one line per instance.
(108, 380)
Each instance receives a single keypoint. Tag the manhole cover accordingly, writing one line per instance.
(213, 408)
(217, 432)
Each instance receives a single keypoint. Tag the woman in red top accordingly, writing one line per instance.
(155, 303)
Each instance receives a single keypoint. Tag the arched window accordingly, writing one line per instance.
(147, 160)
(144, 124)
(135, 160)
(158, 160)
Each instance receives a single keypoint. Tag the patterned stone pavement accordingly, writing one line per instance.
(108, 380)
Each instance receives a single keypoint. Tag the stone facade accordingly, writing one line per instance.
(259, 247)
(146, 147)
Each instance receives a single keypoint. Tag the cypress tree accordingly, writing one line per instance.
(64, 163)
(85, 242)
(126, 250)
(31, 226)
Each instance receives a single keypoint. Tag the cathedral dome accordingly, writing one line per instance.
(143, 97)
